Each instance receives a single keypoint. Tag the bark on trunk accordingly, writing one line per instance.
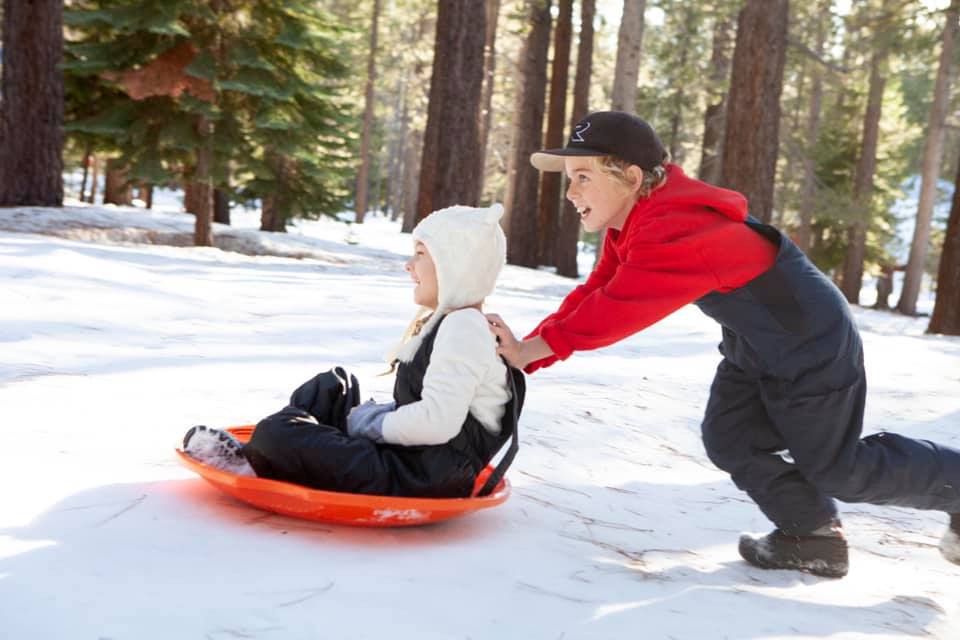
(451, 166)
(489, 69)
(270, 217)
(715, 115)
(203, 228)
(556, 115)
(852, 276)
(751, 138)
(31, 104)
(86, 169)
(116, 189)
(808, 190)
(946, 309)
(364, 170)
(629, 47)
(932, 157)
(94, 180)
(411, 180)
(674, 144)
(523, 179)
(221, 206)
(568, 235)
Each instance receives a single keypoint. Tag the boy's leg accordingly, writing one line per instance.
(822, 430)
(740, 438)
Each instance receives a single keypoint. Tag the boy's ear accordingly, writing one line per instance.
(635, 174)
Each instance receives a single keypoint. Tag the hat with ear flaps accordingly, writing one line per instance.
(468, 249)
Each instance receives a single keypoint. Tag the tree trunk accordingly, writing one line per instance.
(451, 166)
(221, 206)
(31, 104)
(852, 277)
(930, 173)
(629, 46)
(522, 177)
(568, 234)
(94, 180)
(751, 138)
(549, 204)
(363, 172)
(411, 180)
(86, 169)
(116, 189)
(270, 217)
(673, 145)
(400, 168)
(946, 309)
(203, 229)
(715, 114)
(808, 190)
(489, 69)
(148, 196)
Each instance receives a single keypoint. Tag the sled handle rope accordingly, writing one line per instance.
(511, 453)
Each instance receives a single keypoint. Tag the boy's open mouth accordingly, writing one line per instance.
(584, 212)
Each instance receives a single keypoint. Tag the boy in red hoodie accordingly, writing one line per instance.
(785, 412)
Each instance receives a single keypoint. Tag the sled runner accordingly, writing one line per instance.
(343, 508)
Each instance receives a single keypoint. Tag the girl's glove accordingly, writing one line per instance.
(366, 420)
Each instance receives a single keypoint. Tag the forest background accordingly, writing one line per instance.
(829, 115)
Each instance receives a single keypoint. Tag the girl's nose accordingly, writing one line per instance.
(407, 266)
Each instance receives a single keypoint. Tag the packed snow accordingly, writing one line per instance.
(115, 341)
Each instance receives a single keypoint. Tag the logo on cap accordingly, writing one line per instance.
(578, 132)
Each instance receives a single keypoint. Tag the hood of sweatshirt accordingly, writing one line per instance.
(681, 190)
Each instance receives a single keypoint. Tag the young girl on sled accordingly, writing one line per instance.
(785, 412)
(455, 402)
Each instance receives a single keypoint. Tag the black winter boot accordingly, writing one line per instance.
(822, 552)
(950, 545)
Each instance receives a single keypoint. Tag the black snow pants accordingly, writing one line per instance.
(307, 443)
(786, 407)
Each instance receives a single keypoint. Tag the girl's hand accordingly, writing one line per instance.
(509, 347)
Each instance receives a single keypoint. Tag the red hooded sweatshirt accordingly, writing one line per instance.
(685, 240)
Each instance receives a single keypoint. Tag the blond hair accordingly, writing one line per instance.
(616, 168)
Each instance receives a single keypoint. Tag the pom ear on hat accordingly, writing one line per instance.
(494, 212)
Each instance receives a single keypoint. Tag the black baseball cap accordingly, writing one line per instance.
(607, 133)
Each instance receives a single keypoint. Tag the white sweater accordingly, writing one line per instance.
(464, 375)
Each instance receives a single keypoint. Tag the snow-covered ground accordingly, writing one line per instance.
(618, 526)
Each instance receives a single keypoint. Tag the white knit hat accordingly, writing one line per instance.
(469, 250)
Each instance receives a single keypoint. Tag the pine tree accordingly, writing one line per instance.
(932, 155)
(31, 105)
(451, 167)
(946, 309)
(521, 200)
(199, 89)
(751, 138)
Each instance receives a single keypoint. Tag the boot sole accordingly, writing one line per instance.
(833, 567)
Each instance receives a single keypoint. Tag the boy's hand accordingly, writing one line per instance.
(510, 349)
(518, 354)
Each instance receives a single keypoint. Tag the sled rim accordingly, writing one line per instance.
(337, 507)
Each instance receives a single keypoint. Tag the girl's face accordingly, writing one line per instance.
(424, 273)
(600, 199)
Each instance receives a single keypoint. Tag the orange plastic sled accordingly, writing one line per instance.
(343, 508)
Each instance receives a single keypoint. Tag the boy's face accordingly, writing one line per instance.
(423, 271)
(601, 200)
